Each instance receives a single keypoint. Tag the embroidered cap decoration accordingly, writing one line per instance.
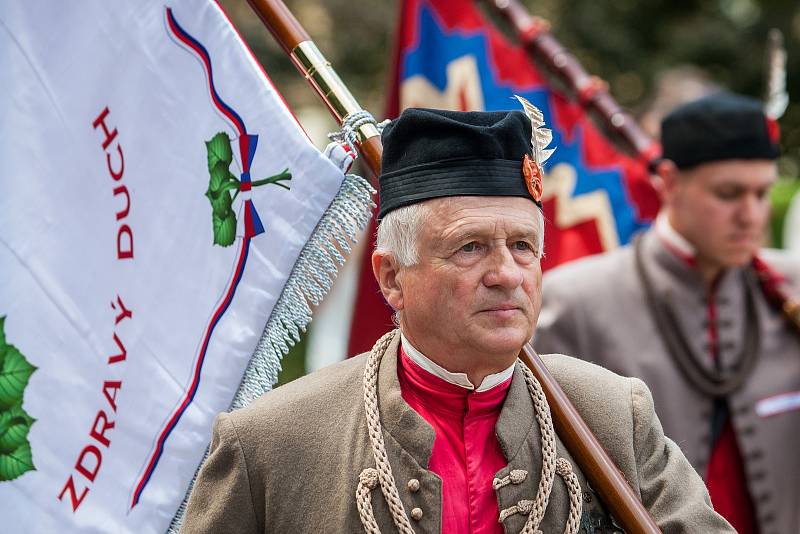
(533, 178)
(541, 138)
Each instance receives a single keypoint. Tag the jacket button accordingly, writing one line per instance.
(413, 485)
(416, 514)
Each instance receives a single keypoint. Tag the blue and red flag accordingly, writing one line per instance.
(448, 55)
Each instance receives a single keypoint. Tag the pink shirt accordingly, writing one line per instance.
(466, 454)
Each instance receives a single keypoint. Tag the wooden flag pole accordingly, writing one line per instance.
(566, 73)
(308, 59)
(600, 471)
(573, 431)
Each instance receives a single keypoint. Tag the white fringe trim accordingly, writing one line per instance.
(310, 280)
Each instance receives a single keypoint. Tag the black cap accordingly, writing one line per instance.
(719, 127)
(432, 153)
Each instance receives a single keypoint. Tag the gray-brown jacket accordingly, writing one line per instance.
(594, 308)
(290, 462)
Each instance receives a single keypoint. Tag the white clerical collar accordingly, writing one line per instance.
(459, 379)
(672, 239)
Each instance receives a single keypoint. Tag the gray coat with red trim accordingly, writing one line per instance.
(595, 308)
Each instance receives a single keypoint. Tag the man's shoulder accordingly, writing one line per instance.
(296, 433)
(787, 263)
(317, 393)
(586, 382)
(612, 405)
(587, 270)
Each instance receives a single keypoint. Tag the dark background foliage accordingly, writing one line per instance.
(630, 43)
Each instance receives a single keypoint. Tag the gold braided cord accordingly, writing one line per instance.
(367, 481)
(385, 477)
(542, 412)
(382, 473)
(564, 470)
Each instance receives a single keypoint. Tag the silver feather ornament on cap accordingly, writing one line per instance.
(776, 99)
(541, 137)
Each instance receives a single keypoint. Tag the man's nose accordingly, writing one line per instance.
(752, 210)
(503, 270)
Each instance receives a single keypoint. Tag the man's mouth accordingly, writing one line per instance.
(742, 239)
(502, 310)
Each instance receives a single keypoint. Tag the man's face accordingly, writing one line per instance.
(474, 296)
(722, 208)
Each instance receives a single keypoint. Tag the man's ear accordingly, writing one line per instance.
(386, 270)
(665, 179)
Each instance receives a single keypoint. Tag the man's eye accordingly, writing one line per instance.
(522, 245)
(472, 246)
(727, 194)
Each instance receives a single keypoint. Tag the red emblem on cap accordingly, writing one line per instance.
(533, 177)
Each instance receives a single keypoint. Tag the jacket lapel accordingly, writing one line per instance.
(680, 288)
(520, 438)
(406, 426)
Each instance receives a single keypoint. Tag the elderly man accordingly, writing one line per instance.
(698, 313)
(439, 428)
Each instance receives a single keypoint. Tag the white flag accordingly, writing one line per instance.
(155, 196)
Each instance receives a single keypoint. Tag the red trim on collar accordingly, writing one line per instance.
(770, 281)
(713, 333)
(688, 259)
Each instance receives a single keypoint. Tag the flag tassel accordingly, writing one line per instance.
(310, 280)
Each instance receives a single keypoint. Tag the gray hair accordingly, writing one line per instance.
(398, 231)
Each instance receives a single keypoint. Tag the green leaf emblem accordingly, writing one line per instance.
(219, 149)
(14, 427)
(15, 371)
(223, 187)
(14, 374)
(17, 463)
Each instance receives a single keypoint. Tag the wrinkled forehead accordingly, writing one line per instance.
(483, 214)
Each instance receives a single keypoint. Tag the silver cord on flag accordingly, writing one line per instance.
(349, 132)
